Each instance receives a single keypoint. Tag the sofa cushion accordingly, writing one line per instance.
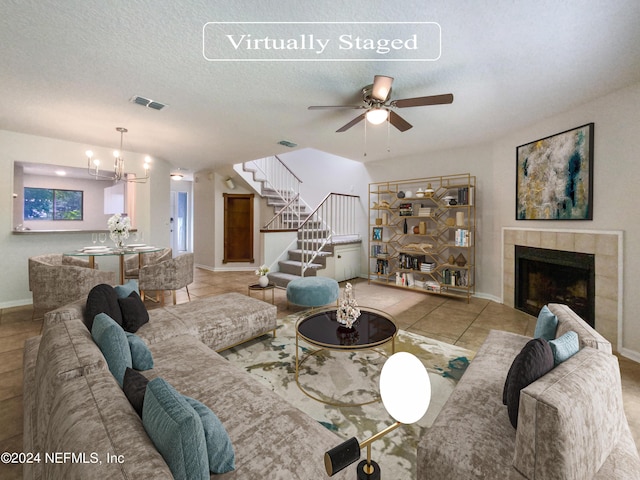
(102, 299)
(533, 361)
(176, 430)
(587, 336)
(134, 313)
(124, 290)
(135, 386)
(546, 325)
(112, 340)
(564, 347)
(141, 358)
(219, 448)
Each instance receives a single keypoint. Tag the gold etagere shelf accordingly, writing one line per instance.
(423, 234)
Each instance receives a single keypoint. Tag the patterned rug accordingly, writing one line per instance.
(352, 377)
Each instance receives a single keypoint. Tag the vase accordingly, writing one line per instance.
(119, 241)
(263, 281)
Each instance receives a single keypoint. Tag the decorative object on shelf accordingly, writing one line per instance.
(422, 228)
(451, 222)
(420, 193)
(408, 194)
(429, 191)
(379, 221)
(460, 219)
(416, 229)
(451, 260)
(400, 194)
(119, 226)
(262, 271)
(93, 165)
(461, 261)
(405, 227)
(568, 197)
(377, 234)
(385, 218)
(348, 311)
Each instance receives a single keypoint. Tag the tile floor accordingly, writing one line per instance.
(449, 320)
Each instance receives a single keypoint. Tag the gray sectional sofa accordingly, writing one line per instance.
(571, 422)
(73, 404)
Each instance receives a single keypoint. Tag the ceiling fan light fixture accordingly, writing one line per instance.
(376, 116)
(381, 87)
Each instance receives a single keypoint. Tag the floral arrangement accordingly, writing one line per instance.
(348, 311)
(119, 228)
(262, 270)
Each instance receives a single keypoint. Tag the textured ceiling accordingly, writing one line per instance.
(69, 68)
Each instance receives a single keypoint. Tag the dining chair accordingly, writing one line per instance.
(56, 279)
(172, 274)
(132, 262)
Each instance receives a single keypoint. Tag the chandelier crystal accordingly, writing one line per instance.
(93, 165)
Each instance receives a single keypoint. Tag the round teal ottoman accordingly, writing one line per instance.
(312, 291)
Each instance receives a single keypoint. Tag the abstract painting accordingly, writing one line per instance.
(554, 177)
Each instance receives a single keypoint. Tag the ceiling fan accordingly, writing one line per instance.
(376, 102)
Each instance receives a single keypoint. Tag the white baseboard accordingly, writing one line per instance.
(630, 354)
(16, 303)
(488, 296)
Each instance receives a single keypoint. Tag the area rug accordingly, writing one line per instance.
(352, 377)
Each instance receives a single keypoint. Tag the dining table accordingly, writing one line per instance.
(103, 251)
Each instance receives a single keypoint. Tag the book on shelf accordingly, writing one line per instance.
(462, 238)
(405, 209)
(465, 195)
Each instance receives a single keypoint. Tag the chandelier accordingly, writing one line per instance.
(93, 165)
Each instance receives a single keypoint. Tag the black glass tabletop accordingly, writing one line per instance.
(372, 328)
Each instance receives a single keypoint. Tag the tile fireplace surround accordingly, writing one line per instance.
(607, 248)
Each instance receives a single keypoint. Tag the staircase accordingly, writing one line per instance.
(315, 235)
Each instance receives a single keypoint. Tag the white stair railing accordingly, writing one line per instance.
(276, 177)
(334, 217)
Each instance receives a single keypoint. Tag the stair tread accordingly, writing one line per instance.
(321, 253)
(299, 264)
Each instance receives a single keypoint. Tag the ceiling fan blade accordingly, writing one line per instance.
(381, 87)
(421, 101)
(346, 127)
(399, 122)
(327, 107)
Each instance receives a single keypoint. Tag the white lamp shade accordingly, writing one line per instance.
(405, 387)
(376, 116)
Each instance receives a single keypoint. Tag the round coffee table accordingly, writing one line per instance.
(320, 328)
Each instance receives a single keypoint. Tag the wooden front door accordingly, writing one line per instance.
(238, 227)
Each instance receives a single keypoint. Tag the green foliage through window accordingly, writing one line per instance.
(52, 204)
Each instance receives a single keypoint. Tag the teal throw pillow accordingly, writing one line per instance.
(112, 341)
(124, 290)
(222, 458)
(546, 325)
(176, 430)
(564, 347)
(141, 358)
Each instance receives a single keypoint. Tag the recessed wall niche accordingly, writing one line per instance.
(101, 198)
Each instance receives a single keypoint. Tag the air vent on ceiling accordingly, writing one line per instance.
(146, 102)
(287, 143)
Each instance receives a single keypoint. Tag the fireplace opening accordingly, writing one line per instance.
(545, 276)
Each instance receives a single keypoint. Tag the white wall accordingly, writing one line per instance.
(17, 248)
(616, 179)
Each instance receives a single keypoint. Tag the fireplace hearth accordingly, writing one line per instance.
(545, 276)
